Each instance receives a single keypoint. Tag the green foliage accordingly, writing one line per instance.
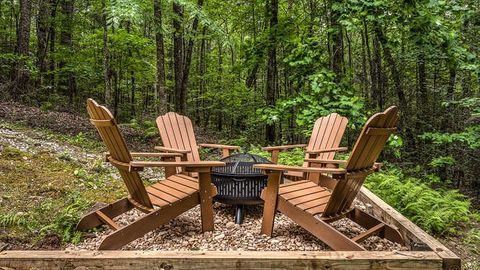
(472, 241)
(18, 219)
(436, 211)
(470, 135)
(292, 157)
(147, 127)
(67, 218)
(325, 97)
(394, 145)
(442, 162)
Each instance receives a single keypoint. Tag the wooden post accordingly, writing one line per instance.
(275, 156)
(169, 171)
(270, 197)
(225, 152)
(206, 198)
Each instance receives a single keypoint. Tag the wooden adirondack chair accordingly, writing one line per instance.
(177, 136)
(161, 201)
(302, 201)
(324, 142)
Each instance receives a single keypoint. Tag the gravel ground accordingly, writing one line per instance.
(184, 233)
(33, 142)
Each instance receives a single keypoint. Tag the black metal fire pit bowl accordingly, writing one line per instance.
(238, 183)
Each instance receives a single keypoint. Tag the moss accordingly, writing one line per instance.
(42, 194)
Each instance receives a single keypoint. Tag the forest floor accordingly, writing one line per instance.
(69, 174)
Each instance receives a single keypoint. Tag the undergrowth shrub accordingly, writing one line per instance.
(293, 157)
(66, 219)
(436, 211)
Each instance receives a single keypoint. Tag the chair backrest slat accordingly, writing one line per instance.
(367, 148)
(327, 133)
(110, 133)
(176, 131)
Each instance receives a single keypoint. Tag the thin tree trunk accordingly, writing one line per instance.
(364, 68)
(373, 69)
(220, 86)
(377, 59)
(422, 94)
(272, 6)
(161, 98)
(403, 106)
(68, 81)
(52, 40)
(202, 70)
(188, 57)
(336, 35)
(106, 64)
(178, 56)
(42, 39)
(22, 77)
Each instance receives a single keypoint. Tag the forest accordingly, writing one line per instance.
(265, 72)
(256, 73)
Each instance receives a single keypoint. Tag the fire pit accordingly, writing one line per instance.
(238, 183)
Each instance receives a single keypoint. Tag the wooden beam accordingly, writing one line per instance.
(412, 234)
(132, 260)
(91, 220)
(114, 226)
(375, 229)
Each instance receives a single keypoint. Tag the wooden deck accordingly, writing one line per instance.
(427, 253)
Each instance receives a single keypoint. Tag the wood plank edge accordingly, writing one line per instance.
(407, 228)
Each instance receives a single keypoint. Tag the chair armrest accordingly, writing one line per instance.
(328, 150)
(275, 167)
(141, 154)
(326, 161)
(219, 146)
(172, 150)
(283, 147)
(193, 166)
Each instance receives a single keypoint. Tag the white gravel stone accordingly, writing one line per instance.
(184, 233)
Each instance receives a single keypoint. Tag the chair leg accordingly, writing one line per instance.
(322, 230)
(91, 220)
(206, 201)
(147, 223)
(270, 196)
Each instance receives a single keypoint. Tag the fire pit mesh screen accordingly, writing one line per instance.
(238, 182)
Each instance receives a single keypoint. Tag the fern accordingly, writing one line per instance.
(436, 211)
(18, 219)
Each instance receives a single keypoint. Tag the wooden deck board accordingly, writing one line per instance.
(123, 260)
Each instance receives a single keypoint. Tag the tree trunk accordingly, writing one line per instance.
(161, 98)
(377, 59)
(106, 64)
(68, 82)
(272, 6)
(220, 86)
(364, 67)
(42, 39)
(373, 67)
(403, 106)
(188, 55)
(52, 39)
(336, 35)
(178, 57)
(202, 70)
(393, 69)
(422, 95)
(22, 77)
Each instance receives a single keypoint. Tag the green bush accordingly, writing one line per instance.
(293, 157)
(436, 211)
